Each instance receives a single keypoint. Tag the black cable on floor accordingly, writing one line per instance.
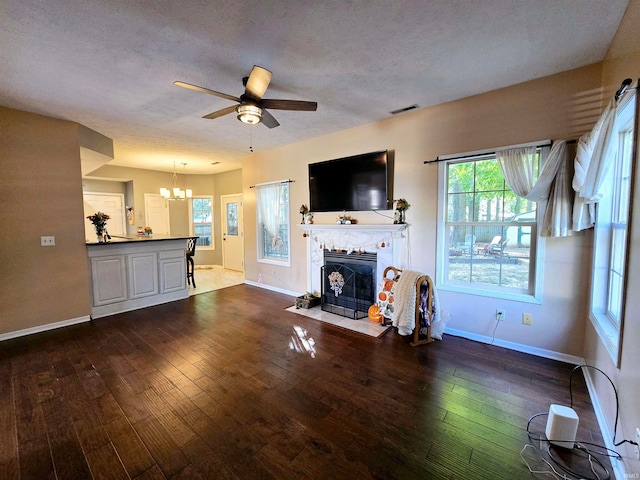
(615, 423)
(580, 446)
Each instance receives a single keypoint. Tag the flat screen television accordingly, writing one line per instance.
(357, 183)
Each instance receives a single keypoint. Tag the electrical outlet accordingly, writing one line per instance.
(527, 319)
(500, 314)
(637, 446)
(47, 241)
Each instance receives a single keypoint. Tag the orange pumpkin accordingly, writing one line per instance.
(374, 314)
(382, 296)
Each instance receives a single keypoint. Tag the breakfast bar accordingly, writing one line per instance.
(136, 271)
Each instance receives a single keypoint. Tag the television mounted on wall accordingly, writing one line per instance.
(357, 183)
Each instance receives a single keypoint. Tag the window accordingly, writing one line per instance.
(201, 216)
(272, 200)
(487, 242)
(610, 235)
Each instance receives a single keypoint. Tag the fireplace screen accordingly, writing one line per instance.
(348, 288)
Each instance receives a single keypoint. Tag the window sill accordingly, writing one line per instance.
(608, 333)
(282, 263)
(487, 292)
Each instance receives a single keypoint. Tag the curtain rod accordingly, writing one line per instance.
(426, 162)
(477, 154)
(288, 180)
(625, 84)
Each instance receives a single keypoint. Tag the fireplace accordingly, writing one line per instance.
(348, 283)
(388, 242)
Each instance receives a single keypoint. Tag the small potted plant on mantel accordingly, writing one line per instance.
(401, 206)
(304, 210)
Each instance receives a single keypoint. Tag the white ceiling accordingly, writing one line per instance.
(110, 64)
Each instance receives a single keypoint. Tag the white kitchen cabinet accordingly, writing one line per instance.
(132, 272)
(109, 279)
(143, 274)
(172, 271)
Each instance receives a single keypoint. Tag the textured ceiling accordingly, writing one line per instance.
(110, 64)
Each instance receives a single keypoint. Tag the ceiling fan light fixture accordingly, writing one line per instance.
(249, 114)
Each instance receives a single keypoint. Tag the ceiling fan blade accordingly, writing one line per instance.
(258, 81)
(269, 120)
(206, 90)
(300, 105)
(220, 113)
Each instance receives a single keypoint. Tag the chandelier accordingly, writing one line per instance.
(176, 193)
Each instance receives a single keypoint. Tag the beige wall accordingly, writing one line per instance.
(548, 108)
(104, 186)
(623, 61)
(40, 194)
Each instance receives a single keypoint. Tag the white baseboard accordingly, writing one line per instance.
(272, 288)
(619, 470)
(518, 347)
(44, 328)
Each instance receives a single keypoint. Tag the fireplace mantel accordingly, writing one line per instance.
(394, 227)
(389, 241)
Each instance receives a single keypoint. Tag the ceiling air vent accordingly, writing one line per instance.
(405, 109)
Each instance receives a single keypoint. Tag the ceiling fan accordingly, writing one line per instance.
(251, 108)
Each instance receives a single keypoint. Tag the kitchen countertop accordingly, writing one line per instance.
(140, 238)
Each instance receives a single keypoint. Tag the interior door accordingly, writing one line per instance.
(156, 213)
(110, 203)
(232, 232)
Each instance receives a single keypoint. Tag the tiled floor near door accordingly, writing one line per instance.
(214, 277)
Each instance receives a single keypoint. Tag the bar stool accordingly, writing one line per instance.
(191, 251)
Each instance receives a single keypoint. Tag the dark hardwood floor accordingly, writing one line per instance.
(224, 385)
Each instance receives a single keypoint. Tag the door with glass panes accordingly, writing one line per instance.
(232, 232)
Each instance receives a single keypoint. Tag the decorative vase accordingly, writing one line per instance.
(100, 235)
(398, 218)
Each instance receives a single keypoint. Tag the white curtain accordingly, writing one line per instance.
(551, 190)
(268, 200)
(591, 167)
(518, 168)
